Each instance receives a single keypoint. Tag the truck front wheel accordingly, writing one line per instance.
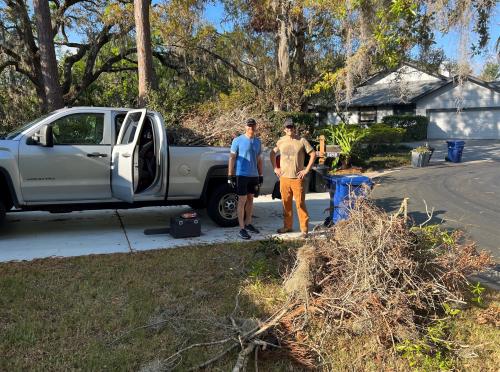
(2, 212)
(222, 206)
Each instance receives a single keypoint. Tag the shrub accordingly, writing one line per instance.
(382, 133)
(415, 125)
(17, 107)
(304, 122)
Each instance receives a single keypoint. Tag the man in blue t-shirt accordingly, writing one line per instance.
(247, 177)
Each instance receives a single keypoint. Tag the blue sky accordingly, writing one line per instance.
(449, 42)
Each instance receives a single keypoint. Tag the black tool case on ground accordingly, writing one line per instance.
(185, 227)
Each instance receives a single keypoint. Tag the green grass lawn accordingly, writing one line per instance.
(61, 314)
(387, 158)
(91, 313)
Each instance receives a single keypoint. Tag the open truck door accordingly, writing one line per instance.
(124, 152)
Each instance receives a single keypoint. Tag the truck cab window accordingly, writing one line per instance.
(119, 119)
(79, 129)
(129, 130)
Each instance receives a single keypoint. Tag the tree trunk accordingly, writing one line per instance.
(48, 55)
(40, 92)
(283, 40)
(284, 34)
(299, 33)
(144, 53)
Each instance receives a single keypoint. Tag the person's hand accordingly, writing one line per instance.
(231, 180)
(302, 173)
(278, 172)
(261, 180)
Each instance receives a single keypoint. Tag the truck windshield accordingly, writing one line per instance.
(22, 128)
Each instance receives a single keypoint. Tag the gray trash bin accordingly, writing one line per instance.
(318, 183)
(420, 159)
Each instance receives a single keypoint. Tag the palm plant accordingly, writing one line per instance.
(346, 137)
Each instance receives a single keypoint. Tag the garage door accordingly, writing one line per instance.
(470, 123)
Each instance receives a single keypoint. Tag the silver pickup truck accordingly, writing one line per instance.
(84, 158)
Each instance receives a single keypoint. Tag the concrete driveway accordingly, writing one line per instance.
(465, 195)
(475, 150)
(30, 235)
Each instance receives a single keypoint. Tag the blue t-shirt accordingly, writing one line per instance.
(247, 151)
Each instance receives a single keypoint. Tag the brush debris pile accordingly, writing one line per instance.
(375, 275)
(201, 128)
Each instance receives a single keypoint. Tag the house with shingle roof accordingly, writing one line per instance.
(470, 110)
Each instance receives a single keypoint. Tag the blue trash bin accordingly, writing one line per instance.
(455, 151)
(331, 184)
(343, 192)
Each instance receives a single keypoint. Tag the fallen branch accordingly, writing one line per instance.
(215, 358)
(242, 360)
(178, 353)
(429, 215)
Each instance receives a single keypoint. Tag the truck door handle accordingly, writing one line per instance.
(126, 155)
(97, 155)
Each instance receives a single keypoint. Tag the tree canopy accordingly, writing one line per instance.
(284, 52)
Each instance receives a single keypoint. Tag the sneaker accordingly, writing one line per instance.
(252, 228)
(283, 230)
(244, 234)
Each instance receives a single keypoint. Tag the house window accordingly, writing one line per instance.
(404, 110)
(367, 115)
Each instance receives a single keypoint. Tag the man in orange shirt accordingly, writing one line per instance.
(293, 150)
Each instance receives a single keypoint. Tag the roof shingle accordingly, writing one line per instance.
(393, 93)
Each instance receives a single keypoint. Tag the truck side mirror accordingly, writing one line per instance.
(44, 136)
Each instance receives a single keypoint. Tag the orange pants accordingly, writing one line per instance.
(294, 188)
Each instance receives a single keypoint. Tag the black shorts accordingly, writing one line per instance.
(246, 185)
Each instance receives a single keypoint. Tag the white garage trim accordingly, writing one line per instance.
(469, 123)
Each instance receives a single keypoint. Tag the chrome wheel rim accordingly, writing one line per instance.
(228, 206)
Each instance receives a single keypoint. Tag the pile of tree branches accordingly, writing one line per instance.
(372, 275)
(376, 275)
(218, 127)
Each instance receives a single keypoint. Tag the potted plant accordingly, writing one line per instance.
(421, 156)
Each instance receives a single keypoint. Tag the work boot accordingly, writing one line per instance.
(283, 230)
(305, 235)
(252, 228)
(244, 234)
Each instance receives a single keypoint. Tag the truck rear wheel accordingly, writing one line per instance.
(222, 206)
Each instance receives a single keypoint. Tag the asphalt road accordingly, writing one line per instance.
(465, 196)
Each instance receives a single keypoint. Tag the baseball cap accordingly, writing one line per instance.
(250, 122)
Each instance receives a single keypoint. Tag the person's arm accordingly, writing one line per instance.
(231, 177)
(230, 166)
(232, 157)
(312, 157)
(260, 169)
(277, 170)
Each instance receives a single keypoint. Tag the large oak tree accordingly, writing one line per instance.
(145, 69)
(48, 62)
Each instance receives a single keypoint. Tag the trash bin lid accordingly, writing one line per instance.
(332, 177)
(456, 143)
(355, 179)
